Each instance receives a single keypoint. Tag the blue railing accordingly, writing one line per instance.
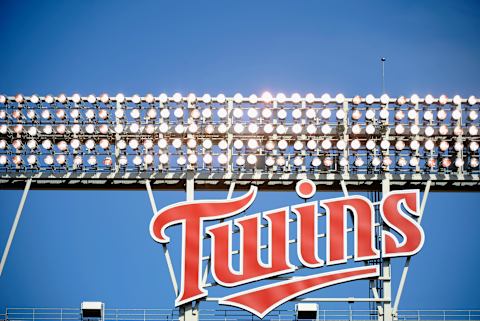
(73, 314)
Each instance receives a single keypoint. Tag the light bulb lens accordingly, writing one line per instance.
(192, 159)
(296, 98)
(369, 99)
(281, 98)
(207, 159)
(316, 161)
(252, 159)
(267, 97)
(339, 98)
(238, 98)
(266, 113)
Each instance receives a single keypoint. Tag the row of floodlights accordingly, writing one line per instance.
(238, 128)
(238, 98)
(238, 144)
(249, 160)
(238, 113)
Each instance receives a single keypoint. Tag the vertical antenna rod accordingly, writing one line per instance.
(383, 74)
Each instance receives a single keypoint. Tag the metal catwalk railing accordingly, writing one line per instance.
(64, 314)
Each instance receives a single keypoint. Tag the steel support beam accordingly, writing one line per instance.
(374, 290)
(14, 225)
(407, 261)
(220, 181)
(189, 312)
(387, 271)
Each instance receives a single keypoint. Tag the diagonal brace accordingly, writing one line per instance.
(14, 225)
(407, 262)
(164, 246)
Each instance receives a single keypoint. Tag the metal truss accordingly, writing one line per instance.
(135, 136)
(221, 181)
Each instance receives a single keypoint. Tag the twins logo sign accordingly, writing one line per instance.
(398, 210)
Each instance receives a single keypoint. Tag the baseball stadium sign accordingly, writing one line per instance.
(398, 210)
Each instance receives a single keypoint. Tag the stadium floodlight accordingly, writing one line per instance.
(296, 98)
(213, 133)
(281, 98)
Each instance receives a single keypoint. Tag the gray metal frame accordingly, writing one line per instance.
(222, 181)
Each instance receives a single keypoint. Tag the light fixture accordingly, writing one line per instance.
(48, 160)
(296, 98)
(253, 99)
(357, 100)
(269, 161)
(133, 143)
(443, 99)
(238, 144)
(266, 113)
(316, 161)
(297, 113)
(339, 98)
(238, 98)
(327, 161)
(282, 114)
(281, 98)
(252, 113)
(376, 161)
(207, 159)
(384, 99)
(355, 144)
(252, 128)
(441, 114)
(358, 162)
(472, 100)
(207, 143)
(192, 159)
(298, 161)
(252, 143)
(298, 145)
(311, 144)
(251, 159)
(401, 100)
(414, 99)
(326, 144)
(369, 99)
(309, 98)
(282, 144)
(222, 159)
(325, 99)
(163, 159)
(240, 161)
(267, 97)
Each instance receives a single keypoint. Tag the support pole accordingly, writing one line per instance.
(164, 246)
(372, 286)
(344, 188)
(187, 311)
(386, 270)
(14, 225)
(407, 262)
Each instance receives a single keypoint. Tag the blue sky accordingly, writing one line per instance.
(73, 246)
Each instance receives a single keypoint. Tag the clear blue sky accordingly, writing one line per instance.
(72, 246)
